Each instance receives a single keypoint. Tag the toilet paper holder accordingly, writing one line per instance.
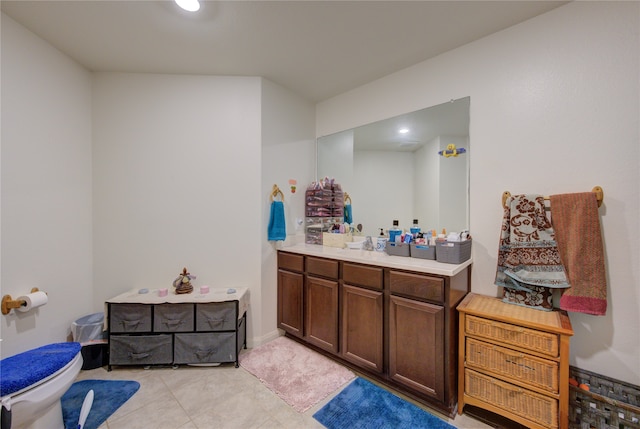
(8, 303)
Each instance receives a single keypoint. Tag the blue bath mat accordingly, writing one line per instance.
(364, 405)
(108, 396)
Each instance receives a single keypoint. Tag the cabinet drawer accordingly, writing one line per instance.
(417, 286)
(216, 316)
(541, 342)
(537, 408)
(362, 275)
(127, 318)
(173, 318)
(322, 267)
(528, 369)
(290, 261)
(140, 350)
(205, 348)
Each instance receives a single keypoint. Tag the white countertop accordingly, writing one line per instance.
(379, 258)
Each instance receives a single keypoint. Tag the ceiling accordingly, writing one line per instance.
(317, 49)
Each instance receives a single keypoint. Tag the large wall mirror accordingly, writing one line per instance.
(392, 169)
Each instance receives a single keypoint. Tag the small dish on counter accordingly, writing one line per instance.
(356, 245)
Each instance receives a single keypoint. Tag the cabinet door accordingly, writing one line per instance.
(362, 341)
(416, 351)
(290, 303)
(321, 317)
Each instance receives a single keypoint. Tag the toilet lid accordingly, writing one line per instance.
(28, 368)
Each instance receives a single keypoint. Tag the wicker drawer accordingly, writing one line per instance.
(129, 318)
(322, 267)
(216, 316)
(140, 350)
(530, 339)
(173, 318)
(362, 275)
(525, 368)
(417, 286)
(532, 406)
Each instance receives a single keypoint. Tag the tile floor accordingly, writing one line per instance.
(211, 397)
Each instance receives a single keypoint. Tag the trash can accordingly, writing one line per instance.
(89, 332)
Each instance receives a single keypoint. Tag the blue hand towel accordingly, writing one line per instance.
(348, 214)
(277, 229)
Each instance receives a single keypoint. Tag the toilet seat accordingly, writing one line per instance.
(51, 370)
(28, 369)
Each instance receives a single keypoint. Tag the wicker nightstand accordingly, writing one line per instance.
(514, 361)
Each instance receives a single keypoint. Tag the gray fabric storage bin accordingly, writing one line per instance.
(140, 350)
(125, 318)
(205, 348)
(397, 249)
(423, 251)
(216, 316)
(173, 318)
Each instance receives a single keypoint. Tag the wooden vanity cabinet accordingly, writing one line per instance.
(363, 316)
(321, 303)
(397, 326)
(290, 293)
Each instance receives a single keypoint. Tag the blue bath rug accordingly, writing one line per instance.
(108, 396)
(364, 405)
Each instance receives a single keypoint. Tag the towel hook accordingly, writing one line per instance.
(275, 192)
(347, 198)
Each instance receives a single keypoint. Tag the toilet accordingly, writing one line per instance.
(32, 383)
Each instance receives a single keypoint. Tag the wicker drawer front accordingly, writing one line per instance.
(140, 350)
(127, 318)
(541, 342)
(537, 408)
(528, 369)
(173, 318)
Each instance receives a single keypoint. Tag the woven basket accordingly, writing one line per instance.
(608, 404)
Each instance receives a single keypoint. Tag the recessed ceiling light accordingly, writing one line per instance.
(403, 130)
(189, 5)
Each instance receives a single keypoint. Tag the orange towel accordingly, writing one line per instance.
(577, 226)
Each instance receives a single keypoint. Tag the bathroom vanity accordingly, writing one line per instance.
(193, 328)
(393, 318)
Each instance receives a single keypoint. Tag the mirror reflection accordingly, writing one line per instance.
(395, 169)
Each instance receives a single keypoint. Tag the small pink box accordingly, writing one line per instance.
(204, 290)
(163, 292)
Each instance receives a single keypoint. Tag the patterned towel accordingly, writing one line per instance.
(528, 259)
(577, 225)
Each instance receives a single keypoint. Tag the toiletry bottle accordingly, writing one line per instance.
(394, 232)
(415, 229)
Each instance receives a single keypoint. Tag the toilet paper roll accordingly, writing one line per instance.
(33, 300)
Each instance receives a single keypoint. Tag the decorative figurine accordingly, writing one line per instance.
(183, 282)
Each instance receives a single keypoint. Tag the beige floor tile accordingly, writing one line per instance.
(221, 397)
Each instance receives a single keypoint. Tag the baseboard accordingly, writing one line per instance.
(256, 341)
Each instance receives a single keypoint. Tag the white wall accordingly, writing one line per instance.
(176, 173)
(288, 152)
(554, 109)
(46, 188)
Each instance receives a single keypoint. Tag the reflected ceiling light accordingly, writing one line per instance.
(189, 5)
(403, 130)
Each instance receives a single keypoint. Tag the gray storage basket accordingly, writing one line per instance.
(423, 251)
(453, 252)
(397, 249)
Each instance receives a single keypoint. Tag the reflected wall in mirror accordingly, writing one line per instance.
(391, 174)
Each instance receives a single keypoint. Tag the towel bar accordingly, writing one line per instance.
(596, 189)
